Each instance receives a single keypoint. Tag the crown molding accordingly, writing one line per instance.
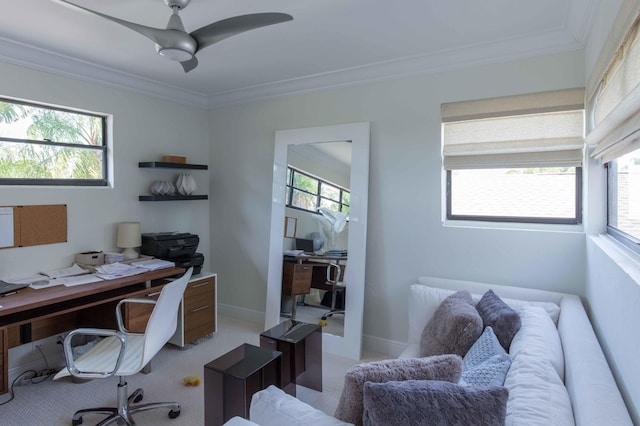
(28, 56)
(472, 55)
(445, 60)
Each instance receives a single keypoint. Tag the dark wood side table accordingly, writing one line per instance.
(231, 380)
(301, 347)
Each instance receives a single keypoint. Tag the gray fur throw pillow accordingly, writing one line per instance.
(499, 316)
(433, 403)
(350, 407)
(454, 327)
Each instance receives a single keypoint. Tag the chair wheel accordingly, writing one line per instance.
(174, 414)
(77, 422)
(138, 398)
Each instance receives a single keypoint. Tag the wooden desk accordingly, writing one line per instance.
(303, 272)
(34, 314)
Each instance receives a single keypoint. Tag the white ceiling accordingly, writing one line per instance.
(329, 43)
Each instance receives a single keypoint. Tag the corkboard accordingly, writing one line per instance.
(37, 225)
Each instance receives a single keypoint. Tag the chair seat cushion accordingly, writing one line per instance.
(104, 354)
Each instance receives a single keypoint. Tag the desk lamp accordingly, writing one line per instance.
(129, 238)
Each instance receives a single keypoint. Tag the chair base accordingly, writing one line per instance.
(122, 414)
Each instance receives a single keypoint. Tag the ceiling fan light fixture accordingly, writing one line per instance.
(174, 54)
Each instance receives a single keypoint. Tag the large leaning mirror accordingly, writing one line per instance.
(346, 339)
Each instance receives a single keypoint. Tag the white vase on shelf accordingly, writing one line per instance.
(185, 184)
(162, 187)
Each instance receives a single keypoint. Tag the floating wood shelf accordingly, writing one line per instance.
(165, 165)
(172, 197)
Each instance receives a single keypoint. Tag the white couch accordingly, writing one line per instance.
(595, 397)
(592, 391)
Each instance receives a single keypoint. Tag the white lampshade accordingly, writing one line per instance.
(129, 237)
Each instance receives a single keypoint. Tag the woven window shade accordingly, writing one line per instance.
(616, 110)
(534, 130)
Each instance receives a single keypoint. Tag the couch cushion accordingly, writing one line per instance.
(437, 403)
(490, 372)
(454, 327)
(424, 300)
(537, 396)
(484, 348)
(538, 337)
(495, 313)
(273, 407)
(350, 407)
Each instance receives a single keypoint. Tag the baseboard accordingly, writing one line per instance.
(241, 313)
(370, 343)
(391, 348)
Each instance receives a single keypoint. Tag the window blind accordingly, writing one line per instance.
(542, 129)
(616, 105)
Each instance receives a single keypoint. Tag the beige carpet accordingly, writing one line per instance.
(53, 403)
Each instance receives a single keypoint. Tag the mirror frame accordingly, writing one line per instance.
(358, 134)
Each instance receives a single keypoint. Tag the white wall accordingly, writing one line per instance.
(406, 237)
(613, 298)
(144, 129)
(613, 274)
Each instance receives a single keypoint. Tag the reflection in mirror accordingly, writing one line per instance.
(346, 340)
(318, 198)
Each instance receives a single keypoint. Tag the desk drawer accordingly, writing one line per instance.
(296, 278)
(199, 322)
(136, 315)
(199, 293)
(199, 309)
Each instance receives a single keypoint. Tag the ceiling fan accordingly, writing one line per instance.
(177, 45)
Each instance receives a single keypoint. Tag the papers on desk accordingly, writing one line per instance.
(71, 276)
(78, 280)
(153, 264)
(116, 270)
(66, 272)
(293, 252)
(40, 281)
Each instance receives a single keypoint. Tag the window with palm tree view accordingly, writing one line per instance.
(42, 145)
(306, 192)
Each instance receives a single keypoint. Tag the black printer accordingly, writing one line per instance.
(177, 247)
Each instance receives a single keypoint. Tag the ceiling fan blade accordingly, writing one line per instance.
(189, 65)
(213, 33)
(156, 35)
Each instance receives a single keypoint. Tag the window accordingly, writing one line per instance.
(614, 94)
(41, 145)
(515, 158)
(307, 192)
(623, 200)
(545, 195)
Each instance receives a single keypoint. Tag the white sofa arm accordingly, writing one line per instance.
(273, 407)
(592, 388)
(239, 421)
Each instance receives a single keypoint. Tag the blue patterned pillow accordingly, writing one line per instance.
(491, 372)
(484, 348)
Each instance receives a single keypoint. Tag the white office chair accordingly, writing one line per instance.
(334, 278)
(122, 353)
